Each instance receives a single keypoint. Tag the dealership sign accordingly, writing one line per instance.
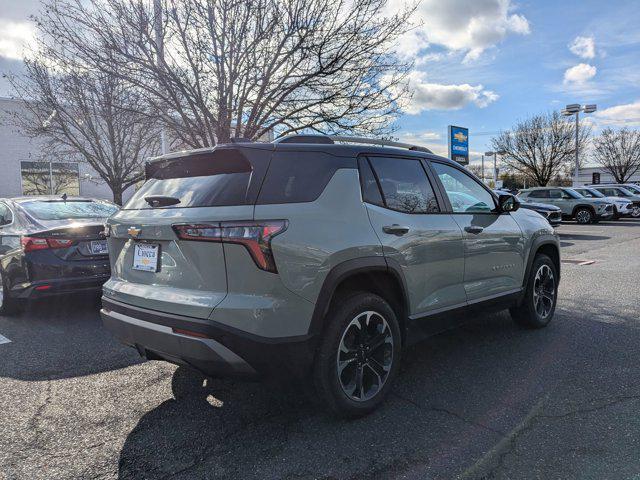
(459, 144)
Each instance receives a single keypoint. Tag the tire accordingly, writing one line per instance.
(355, 367)
(635, 212)
(584, 216)
(539, 303)
(8, 305)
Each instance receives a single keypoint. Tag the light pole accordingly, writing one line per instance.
(495, 164)
(575, 109)
(157, 26)
(482, 168)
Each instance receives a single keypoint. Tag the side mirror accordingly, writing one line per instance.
(508, 203)
(2, 220)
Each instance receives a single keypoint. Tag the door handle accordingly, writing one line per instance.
(473, 229)
(395, 229)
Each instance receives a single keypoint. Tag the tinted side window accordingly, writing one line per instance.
(465, 194)
(5, 215)
(539, 194)
(405, 185)
(369, 184)
(555, 194)
(295, 177)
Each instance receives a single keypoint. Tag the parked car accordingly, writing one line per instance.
(621, 192)
(552, 213)
(621, 206)
(573, 205)
(50, 246)
(317, 260)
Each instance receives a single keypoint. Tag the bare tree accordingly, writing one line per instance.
(88, 116)
(618, 152)
(541, 146)
(216, 69)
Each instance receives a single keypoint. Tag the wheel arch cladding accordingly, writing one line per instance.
(547, 245)
(583, 205)
(369, 274)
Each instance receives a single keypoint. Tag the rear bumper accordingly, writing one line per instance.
(213, 349)
(59, 286)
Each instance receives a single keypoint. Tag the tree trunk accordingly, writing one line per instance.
(117, 195)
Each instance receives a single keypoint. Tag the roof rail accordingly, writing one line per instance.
(329, 139)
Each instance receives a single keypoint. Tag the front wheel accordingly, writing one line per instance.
(539, 304)
(635, 212)
(359, 355)
(584, 216)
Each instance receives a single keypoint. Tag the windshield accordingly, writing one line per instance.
(71, 209)
(624, 192)
(588, 192)
(633, 189)
(572, 193)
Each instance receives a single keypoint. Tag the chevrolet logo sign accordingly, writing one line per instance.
(133, 232)
(461, 137)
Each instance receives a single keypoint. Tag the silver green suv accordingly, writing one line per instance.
(573, 205)
(312, 259)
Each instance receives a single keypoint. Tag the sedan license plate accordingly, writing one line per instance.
(145, 257)
(99, 247)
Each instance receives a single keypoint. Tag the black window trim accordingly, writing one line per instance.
(436, 192)
(444, 191)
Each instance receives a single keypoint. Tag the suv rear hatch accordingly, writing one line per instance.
(151, 267)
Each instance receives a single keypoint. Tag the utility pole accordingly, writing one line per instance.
(157, 23)
(482, 168)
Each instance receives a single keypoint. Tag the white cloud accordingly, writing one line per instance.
(468, 26)
(584, 47)
(14, 37)
(579, 74)
(436, 96)
(627, 114)
(426, 136)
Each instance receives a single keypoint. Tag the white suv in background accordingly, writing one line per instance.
(621, 206)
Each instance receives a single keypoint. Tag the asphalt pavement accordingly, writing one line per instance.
(488, 400)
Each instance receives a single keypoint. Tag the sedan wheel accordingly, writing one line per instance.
(635, 212)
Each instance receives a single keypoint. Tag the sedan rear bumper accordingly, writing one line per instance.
(59, 286)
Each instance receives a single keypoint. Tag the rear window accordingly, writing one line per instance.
(219, 178)
(296, 177)
(71, 209)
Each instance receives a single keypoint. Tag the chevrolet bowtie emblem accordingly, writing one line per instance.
(133, 232)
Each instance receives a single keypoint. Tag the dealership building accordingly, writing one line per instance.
(27, 169)
(589, 175)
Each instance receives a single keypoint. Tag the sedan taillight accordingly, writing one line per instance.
(254, 235)
(31, 244)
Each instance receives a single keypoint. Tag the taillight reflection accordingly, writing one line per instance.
(255, 236)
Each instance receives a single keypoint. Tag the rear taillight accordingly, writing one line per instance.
(31, 244)
(255, 236)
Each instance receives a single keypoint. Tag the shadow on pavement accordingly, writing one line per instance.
(60, 337)
(579, 236)
(459, 393)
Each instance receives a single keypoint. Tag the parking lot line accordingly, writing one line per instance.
(4, 339)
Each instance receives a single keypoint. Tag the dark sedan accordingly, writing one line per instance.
(552, 213)
(51, 246)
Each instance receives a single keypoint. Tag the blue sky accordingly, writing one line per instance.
(595, 44)
(484, 64)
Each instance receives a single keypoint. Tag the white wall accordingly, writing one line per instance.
(16, 147)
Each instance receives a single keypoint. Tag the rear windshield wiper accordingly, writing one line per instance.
(161, 201)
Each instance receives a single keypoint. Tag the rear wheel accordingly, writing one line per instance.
(539, 304)
(584, 216)
(8, 305)
(359, 355)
